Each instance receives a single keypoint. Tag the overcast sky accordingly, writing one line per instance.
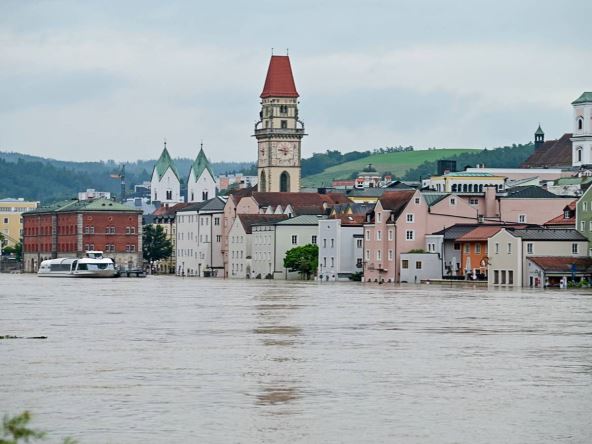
(86, 80)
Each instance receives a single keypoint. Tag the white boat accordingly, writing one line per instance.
(92, 265)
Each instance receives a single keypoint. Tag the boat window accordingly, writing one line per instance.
(74, 265)
(82, 267)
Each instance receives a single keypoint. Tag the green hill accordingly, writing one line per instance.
(398, 163)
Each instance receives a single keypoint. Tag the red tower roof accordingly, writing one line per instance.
(279, 81)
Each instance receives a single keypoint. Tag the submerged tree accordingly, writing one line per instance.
(155, 244)
(304, 259)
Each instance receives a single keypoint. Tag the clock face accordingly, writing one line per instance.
(286, 153)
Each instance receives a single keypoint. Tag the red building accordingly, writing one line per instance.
(69, 229)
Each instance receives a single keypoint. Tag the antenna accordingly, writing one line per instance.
(164, 142)
(271, 51)
(287, 51)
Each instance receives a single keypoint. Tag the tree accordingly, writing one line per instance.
(16, 430)
(156, 245)
(304, 259)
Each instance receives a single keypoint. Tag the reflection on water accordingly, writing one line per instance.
(163, 359)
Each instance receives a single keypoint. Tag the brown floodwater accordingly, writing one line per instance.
(167, 359)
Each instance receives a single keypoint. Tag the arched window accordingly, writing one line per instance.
(284, 182)
(579, 154)
(580, 123)
(263, 184)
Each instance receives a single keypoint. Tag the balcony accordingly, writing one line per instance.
(279, 131)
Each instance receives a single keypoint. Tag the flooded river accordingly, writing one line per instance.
(166, 359)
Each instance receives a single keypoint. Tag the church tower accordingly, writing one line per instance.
(165, 186)
(279, 131)
(539, 138)
(582, 135)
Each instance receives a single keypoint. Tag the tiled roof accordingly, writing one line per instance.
(216, 204)
(367, 192)
(584, 98)
(200, 164)
(195, 206)
(562, 264)
(248, 220)
(335, 198)
(279, 81)
(547, 234)
(455, 231)
(398, 185)
(351, 219)
(529, 192)
(396, 201)
(561, 219)
(553, 153)
(164, 163)
(301, 220)
(171, 210)
(296, 200)
(481, 233)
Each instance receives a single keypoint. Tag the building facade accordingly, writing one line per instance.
(341, 247)
(69, 229)
(279, 131)
(11, 220)
(582, 134)
(165, 185)
(201, 183)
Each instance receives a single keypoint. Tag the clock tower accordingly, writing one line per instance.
(279, 131)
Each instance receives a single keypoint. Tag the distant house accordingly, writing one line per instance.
(341, 246)
(509, 250)
(567, 219)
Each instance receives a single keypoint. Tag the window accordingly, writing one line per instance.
(332, 243)
(503, 281)
(510, 277)
(390, 255)
(359, 262)
(467, 248)
(522, 218)
(583, 225)
(390, 235)
(530, 248)
(580, 123)
(453, 201)
(409, 234)
(358, 243)
(378, 235)
(216, 221)
(410, 218)
(283, 109)
(332, 261)
(585, 206)
(294, 239)
(590, 226)
(169, 195)
(457, 245)
(574, 248)
(324, 243)
(417, 200)
(496, 248)
(324, 261)
(418, 265)
(405, 264)
(218, 238)
(378, 255)
(496, 276)
(478, 248)
(284, 124)
(579, 154)
(367, 235)
(204, 195)
(378, 217)
(473, 201)
(367, 255)
(509, 248)
(314, 240)
(127, 230)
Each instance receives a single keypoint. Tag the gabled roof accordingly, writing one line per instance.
(584, 98)
(552, 154)
(335, 198)
(367, 192)
(195, 206)
(433, 197)
(301, 220)
(562, 264)
(481, 233)
(201, 164)
(216, 204)
(455, 231)
(248, 220)
(165, 162)
(529, 192)
(561, 219)
(396, 201)
(547, 234)
(351, 219)
(279, 81)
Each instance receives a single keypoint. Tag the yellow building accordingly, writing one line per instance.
(11, 221)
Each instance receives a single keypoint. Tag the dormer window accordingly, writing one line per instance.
(566, 214)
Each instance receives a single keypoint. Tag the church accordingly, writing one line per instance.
(279, 130)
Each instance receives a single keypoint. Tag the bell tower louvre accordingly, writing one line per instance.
(279, 132)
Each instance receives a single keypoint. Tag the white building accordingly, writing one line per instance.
(582, 134)
(199, 239)
(165, 186)
(341, 242)
(201, 183)
(417, 267)
(240, 243)
(91, 193)
(272, 241)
